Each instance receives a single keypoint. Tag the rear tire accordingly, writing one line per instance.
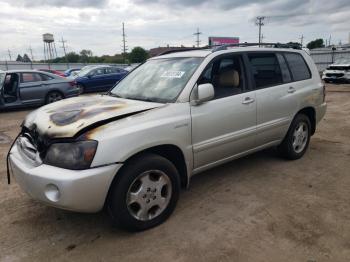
(144, 193)
(296, 142)
(53, 96)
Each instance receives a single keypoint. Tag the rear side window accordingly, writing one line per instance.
(284, 68)
(30, 77)
(266, 69)
(46, 77)
(298, 67)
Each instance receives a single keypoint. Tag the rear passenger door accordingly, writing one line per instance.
(275, 94)
(31, 88)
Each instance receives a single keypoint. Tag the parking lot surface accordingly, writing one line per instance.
(258, 208)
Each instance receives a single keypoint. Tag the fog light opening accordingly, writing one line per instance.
(52, 193)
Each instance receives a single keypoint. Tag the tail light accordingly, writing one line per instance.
(73, 83)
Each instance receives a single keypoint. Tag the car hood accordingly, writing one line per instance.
(70, 117)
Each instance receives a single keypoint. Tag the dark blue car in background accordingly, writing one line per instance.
(99, 78)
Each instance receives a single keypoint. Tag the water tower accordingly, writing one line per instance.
(49, 47)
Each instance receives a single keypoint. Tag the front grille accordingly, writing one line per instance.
(38, 142)
(335, 74)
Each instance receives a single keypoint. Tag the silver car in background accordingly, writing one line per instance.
(19, 88)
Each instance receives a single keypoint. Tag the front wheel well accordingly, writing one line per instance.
(175, 155)
(311, 114)
(171, 152)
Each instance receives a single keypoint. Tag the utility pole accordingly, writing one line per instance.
(301, 40)
(31, 56)
(198, 34)
(9, 53)
(259, 22)
(262, 38)
(63, 42)
(125, 48)
(31, 53)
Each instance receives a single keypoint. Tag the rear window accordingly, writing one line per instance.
(298, 67)
(266, 69)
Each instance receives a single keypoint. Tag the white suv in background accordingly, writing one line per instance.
(338, 72)
(176, 115)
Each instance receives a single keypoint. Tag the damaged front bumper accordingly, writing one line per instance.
(75, 190)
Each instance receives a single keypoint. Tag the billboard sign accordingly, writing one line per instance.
(217, 40)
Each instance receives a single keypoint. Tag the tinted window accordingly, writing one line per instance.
(45, 77)
(226, 75)
(284, 68)
(98, 71)
(30, 77)
(298, 67)
(266, 69)
(112, 70)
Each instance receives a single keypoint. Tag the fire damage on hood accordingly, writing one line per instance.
(76, 119)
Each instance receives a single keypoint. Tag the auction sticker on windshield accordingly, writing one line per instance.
(173, 74)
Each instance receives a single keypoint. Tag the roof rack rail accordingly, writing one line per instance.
(183, 49)
(215, 48)
(273, 45)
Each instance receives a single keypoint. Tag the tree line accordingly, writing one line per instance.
(137, 55)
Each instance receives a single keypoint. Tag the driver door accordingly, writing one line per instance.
(224, 127)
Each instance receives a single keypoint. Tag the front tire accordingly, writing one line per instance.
(145, 193)
(297, 139)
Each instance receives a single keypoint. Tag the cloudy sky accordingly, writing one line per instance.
(96, 24)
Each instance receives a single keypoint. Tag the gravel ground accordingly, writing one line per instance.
(258, 208)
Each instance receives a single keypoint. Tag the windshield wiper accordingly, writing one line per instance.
(114, 95)
(141, 98)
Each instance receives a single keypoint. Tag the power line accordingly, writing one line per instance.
(198, 34)
(125, 48)
(259, 22)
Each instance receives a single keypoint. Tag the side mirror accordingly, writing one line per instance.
(203, 93)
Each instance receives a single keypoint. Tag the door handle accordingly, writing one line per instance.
(291, 90)
(248, 100)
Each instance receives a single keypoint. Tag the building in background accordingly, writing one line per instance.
(219, 40)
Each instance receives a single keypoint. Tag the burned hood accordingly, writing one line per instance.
(67, 118)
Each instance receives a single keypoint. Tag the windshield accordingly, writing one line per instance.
(159, 80)
(84, 71)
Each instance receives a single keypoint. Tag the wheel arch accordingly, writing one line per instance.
(310, 112)
(52, 91)
(169, 151)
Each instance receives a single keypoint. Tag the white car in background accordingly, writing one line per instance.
(338, 72)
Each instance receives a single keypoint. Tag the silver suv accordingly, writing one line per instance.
(132, 150)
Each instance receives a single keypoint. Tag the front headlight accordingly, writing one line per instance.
(75, 155)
